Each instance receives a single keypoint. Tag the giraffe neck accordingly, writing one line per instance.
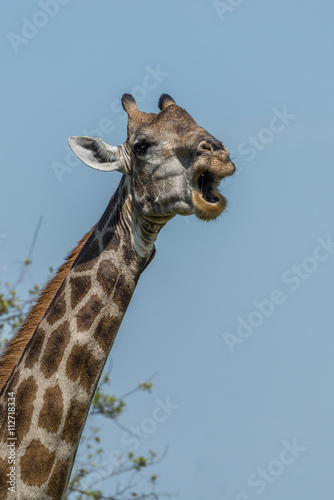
(56, 376)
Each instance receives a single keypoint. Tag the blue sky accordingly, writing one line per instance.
(236, 316)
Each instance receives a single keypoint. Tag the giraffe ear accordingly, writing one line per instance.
(97, 154)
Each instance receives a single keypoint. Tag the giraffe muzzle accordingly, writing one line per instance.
(208, 202)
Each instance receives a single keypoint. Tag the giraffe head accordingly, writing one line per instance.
(174, 165)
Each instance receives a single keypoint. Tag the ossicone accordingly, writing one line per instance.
(165, 101)
(129, 104)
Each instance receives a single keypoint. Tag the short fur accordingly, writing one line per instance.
(18, 344)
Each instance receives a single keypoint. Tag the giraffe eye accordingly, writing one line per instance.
(140, 148)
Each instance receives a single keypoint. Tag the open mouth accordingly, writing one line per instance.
(207, 185)
(208, 202)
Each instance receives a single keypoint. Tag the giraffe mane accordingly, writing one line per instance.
(17, 345)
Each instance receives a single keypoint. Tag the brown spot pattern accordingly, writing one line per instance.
(87, 260)
(57, 309)
(24, 405)
(110, 208)
(36, 464)
(122, 295)
(83, 366)
(52, 409)
(88, 313)
(113, 242)
(106, 238)
(20, 341)
(74, 421)
(107, 276)
(106, 331)
(34, 348)
(58, 479)
(105, 217)
(54, 350)
(79, 288)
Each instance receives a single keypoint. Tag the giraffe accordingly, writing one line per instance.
(50, 370)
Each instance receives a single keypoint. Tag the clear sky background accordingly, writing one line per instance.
(248, 378)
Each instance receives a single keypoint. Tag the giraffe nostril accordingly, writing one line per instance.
(205, 146)
(209, 146)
